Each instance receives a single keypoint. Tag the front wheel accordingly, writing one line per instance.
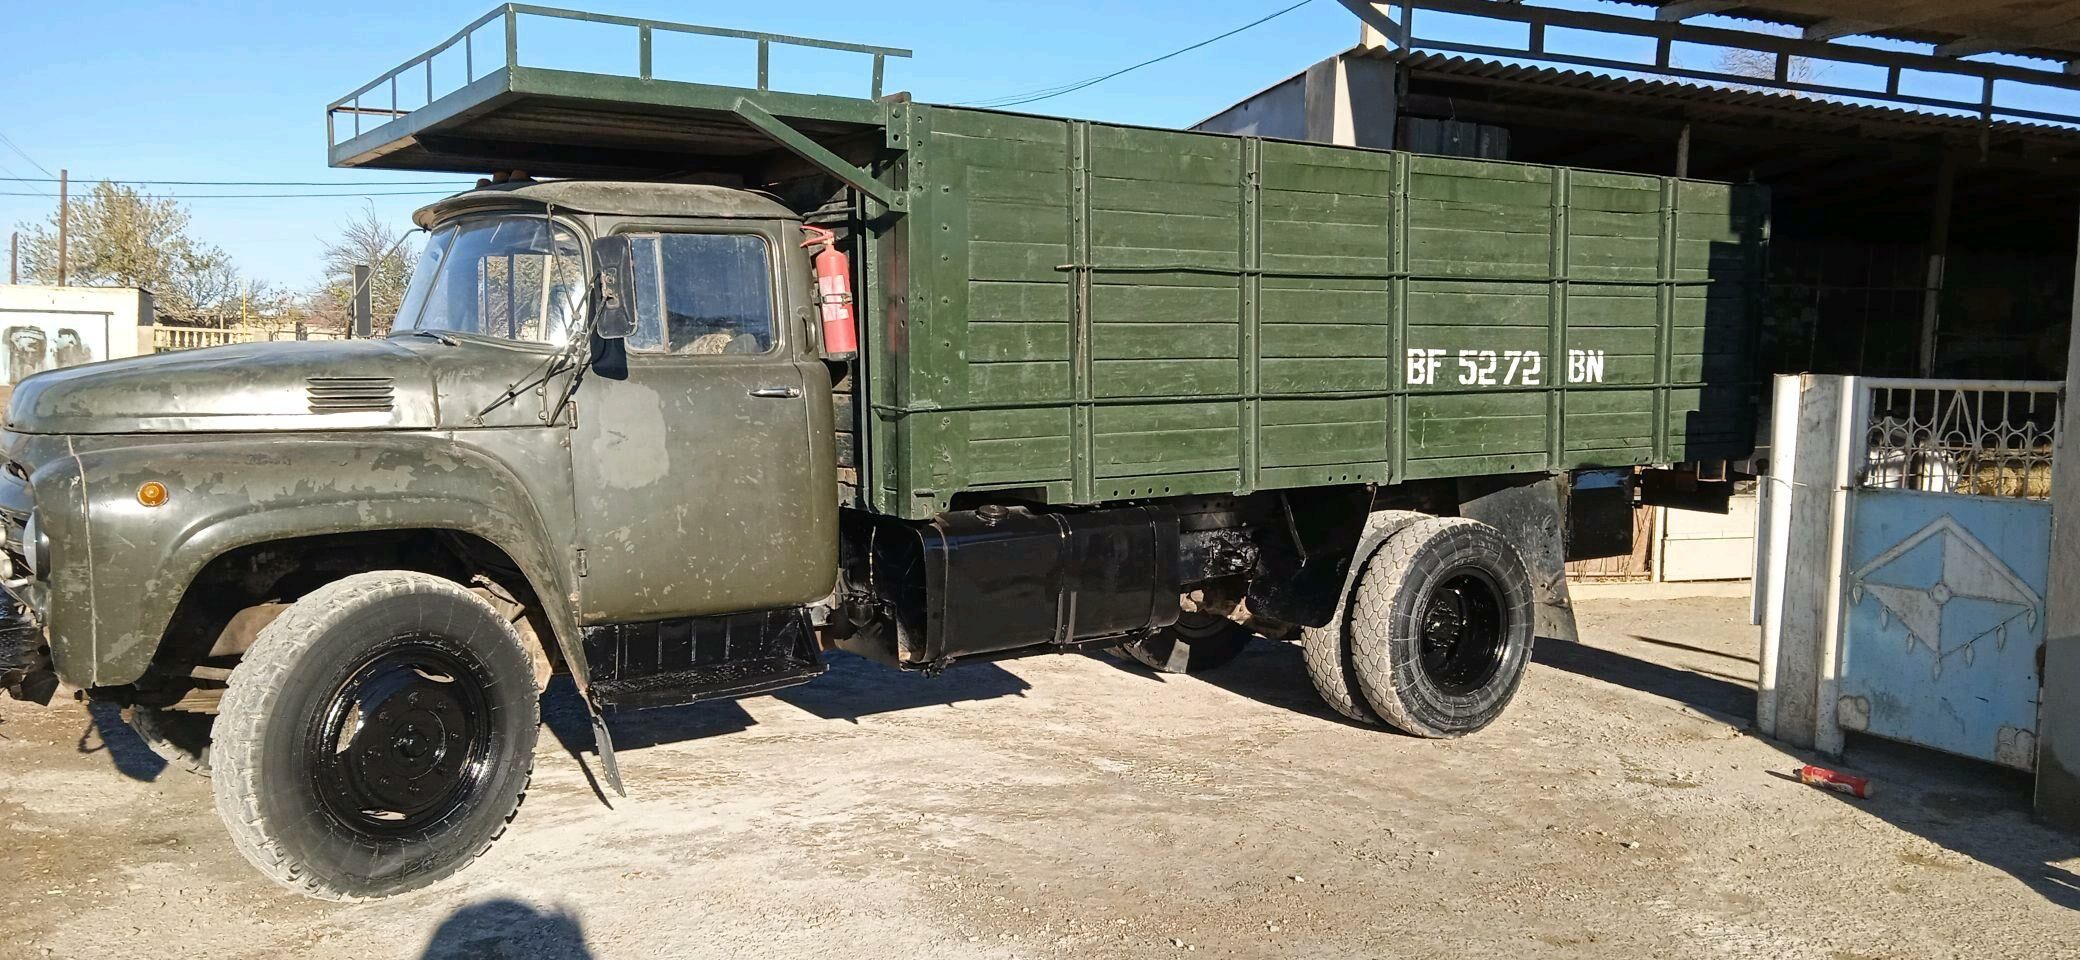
(378, 736)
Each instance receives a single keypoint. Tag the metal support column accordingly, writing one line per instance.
(1938, 254)
(2058, 717)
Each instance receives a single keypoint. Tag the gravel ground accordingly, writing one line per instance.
(1068, 806)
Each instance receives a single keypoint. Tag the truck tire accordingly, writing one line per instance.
(377, 737)
(1441, 625)
(1196, 643)
(1327, 649)
(179, 737)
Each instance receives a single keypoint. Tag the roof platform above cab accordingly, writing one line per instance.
(472, 104)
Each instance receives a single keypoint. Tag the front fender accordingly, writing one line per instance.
(226, 493)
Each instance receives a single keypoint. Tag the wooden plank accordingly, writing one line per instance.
(1248, 345)
(1083, 476)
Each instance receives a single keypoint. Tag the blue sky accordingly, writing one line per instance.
(231, 91)
(236, 91)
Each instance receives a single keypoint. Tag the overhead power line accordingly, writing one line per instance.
(31, 182)
(32, 160)
(1049, 93)
(273, 196)
(249, 183)
(11, 145)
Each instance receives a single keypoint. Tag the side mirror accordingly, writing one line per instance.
(615, 318)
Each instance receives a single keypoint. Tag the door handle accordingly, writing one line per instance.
(777, 393)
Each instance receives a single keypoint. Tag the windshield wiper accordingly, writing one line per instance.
(554, 364)
(435, 334)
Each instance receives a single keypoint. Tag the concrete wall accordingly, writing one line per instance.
(1695, 545)
(44, 328)
(1280, 113)
(1344, 101)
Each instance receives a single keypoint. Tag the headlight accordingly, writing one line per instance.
(35, 548)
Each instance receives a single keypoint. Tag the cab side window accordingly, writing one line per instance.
(703, 293)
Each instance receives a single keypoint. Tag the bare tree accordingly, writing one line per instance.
(1762, 65)
(366, 238)
(127, 238)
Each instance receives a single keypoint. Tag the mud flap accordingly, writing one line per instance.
(601, 741)
(1533, 517)
(570, 642)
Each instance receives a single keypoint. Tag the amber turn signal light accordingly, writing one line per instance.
(152, 493)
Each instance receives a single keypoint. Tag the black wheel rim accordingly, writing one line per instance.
(1463, 631)
(403, 746)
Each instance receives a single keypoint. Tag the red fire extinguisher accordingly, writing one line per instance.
(834, 294)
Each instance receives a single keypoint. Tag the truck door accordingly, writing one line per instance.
(704, 479)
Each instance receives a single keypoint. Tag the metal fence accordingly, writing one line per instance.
(168, 337)
(1975, 438)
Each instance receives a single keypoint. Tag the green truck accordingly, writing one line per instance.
(703, 381)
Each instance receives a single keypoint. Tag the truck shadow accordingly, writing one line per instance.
(507, 928)
(1270, 672)
(1717, 696)
(853, 688)
(107, 732)
(1976, 810)
(856, 687)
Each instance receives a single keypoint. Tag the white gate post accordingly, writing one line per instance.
(1805, 476)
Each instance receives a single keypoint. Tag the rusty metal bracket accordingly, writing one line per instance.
(818, 154)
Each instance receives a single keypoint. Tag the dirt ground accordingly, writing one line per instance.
(1068, 806)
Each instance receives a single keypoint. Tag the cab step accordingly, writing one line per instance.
(667, 663)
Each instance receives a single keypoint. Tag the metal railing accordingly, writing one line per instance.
(356, 104)
(167, 337)
(1988, 438)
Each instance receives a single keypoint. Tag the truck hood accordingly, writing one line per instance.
(294, 385)
(393, 384)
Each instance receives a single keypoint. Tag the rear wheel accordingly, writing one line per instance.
(179, 737)
(1441, 627)
(376, 738)
(1327, 648)
(1196, 643)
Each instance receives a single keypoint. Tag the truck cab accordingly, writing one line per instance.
(708, 422)
(497, 459)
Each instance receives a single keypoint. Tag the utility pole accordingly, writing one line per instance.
(64, 219)
(363, 305)
(14, 258)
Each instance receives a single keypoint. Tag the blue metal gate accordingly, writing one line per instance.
(1945, 565)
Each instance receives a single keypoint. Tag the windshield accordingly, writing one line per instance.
(517, 277)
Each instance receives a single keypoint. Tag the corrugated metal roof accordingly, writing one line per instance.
(1712, 96)
(2039, 28)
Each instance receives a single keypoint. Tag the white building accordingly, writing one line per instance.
(44, 328)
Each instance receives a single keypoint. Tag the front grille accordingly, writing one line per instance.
(349, 394)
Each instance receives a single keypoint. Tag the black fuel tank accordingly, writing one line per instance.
(1001, 578)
